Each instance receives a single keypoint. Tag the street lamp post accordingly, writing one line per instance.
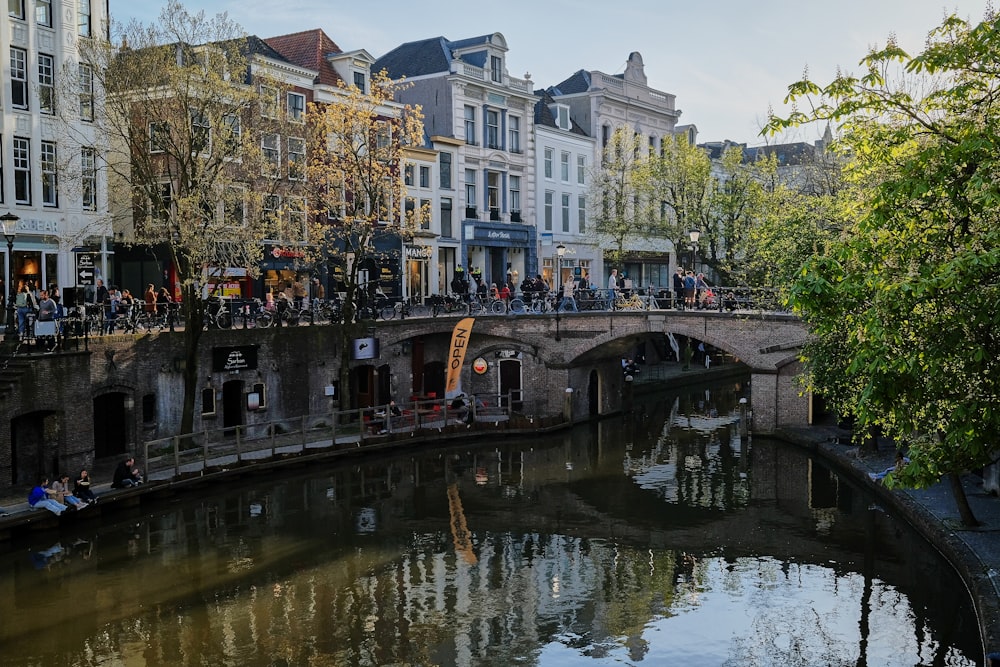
(694, 235)
(9, 222)
(560, 251)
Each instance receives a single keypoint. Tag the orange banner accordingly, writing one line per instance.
(456, 355)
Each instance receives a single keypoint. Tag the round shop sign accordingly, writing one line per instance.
(480, 366)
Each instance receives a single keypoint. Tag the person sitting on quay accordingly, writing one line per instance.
(82, 488)
(63, 495)
(41, 496)
(126, 475)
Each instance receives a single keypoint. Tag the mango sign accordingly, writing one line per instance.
(456, 357)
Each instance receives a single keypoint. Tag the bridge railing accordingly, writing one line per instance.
(242, 444)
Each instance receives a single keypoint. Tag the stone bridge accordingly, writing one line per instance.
(583, 352)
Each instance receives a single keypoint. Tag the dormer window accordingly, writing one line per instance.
(496, 69)
(561, 114)
(359, 81)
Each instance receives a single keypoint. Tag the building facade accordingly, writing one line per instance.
(481, 119)
(50, 175)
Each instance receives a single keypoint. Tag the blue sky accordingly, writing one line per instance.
(726, 61)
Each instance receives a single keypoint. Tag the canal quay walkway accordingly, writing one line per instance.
(975, 552)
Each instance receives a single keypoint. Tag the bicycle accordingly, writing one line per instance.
(631, 302)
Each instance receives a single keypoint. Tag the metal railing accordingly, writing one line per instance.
(230, 446)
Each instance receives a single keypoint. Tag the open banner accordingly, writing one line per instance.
(456, 353)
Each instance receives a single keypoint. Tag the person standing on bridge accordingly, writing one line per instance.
(612, 288)
(689, 290)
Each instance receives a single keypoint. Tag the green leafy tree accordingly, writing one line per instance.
(904, 306)
(616, 194)
(181, 107)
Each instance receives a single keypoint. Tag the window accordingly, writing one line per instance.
(446, 217)
(88, 178)
(270, 206)
(565, 212)
(296, 159)
(425, 214)
(297, 217)
(233, 128)
(46, 84)
(493, 194)
(496, 69)
(50, 196)
(408, 175)
(159, 136)
(652, 145)
(425, 177)
(83, 19)
(297, 107)
(492, 129)
(269, 101)
(86, 91)
(564, 167)
(270, 145)
(548, 163)
(234, 207)
(15, 9)
(444, 167)
(514, 124)
(359, 81)
(18, 78)
(22, 170)
(470, 125)
(561, 114)
(605, 135)
(43, 12)
(383, 135)
(201, 132)
(470, 188)
(515, 194)
(581, 204)
(581, 169)
(549, 195)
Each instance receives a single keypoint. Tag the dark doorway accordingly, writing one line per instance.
(232, 404)
(110, 425)
(362, 387)
(385, 385)
(29, 459)
(510, 383)
(594, 394)
(434, 378)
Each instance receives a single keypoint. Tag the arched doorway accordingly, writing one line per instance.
(594, 394)
(232, 403)
(110, 425)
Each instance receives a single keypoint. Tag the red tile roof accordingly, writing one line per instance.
(309, 49)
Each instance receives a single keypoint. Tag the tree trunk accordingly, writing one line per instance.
(194, 322)
(962, 501)
(870, 445)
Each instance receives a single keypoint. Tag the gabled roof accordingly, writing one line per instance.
(309, 49)
(433, 55)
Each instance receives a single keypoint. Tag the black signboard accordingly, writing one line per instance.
(237, 358)
(84, 269)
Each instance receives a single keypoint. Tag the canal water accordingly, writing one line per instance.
(658, 538)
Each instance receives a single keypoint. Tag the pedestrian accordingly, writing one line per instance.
(149, 299)
(63, 494)
(25, 303)
(126, 475)
(568, 301)
(46, 308)
(41, 496)
(82, 488)
(678, 286)
(689, 290)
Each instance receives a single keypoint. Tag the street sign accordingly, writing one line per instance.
(84, 270)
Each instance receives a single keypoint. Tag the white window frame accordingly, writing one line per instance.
(564, 201)
(548, 163)
(83, 18)
(43, 12)
(364, 81)
(46, 84)
(22, 170)
(549, 200)
(270, 146)
(425, 176)
(296, 154)
(296, 107)
(88, 178)
(297, 217)
(564, 167)
(581, 204)
(514, 183)
(18, 77)
(15, 9)
(492, 128)
(446, 163)
(470, 189)
(270, 105)
(86, 83)
(49, 165)
(201, 124)
(514, 130)
(470, 125)
(496, 69)
(234, 208)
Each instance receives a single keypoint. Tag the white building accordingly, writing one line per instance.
(601, 103)
(480, 119)
(564, 158)
(50, 175)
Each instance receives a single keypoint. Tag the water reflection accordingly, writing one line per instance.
(660, 538)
